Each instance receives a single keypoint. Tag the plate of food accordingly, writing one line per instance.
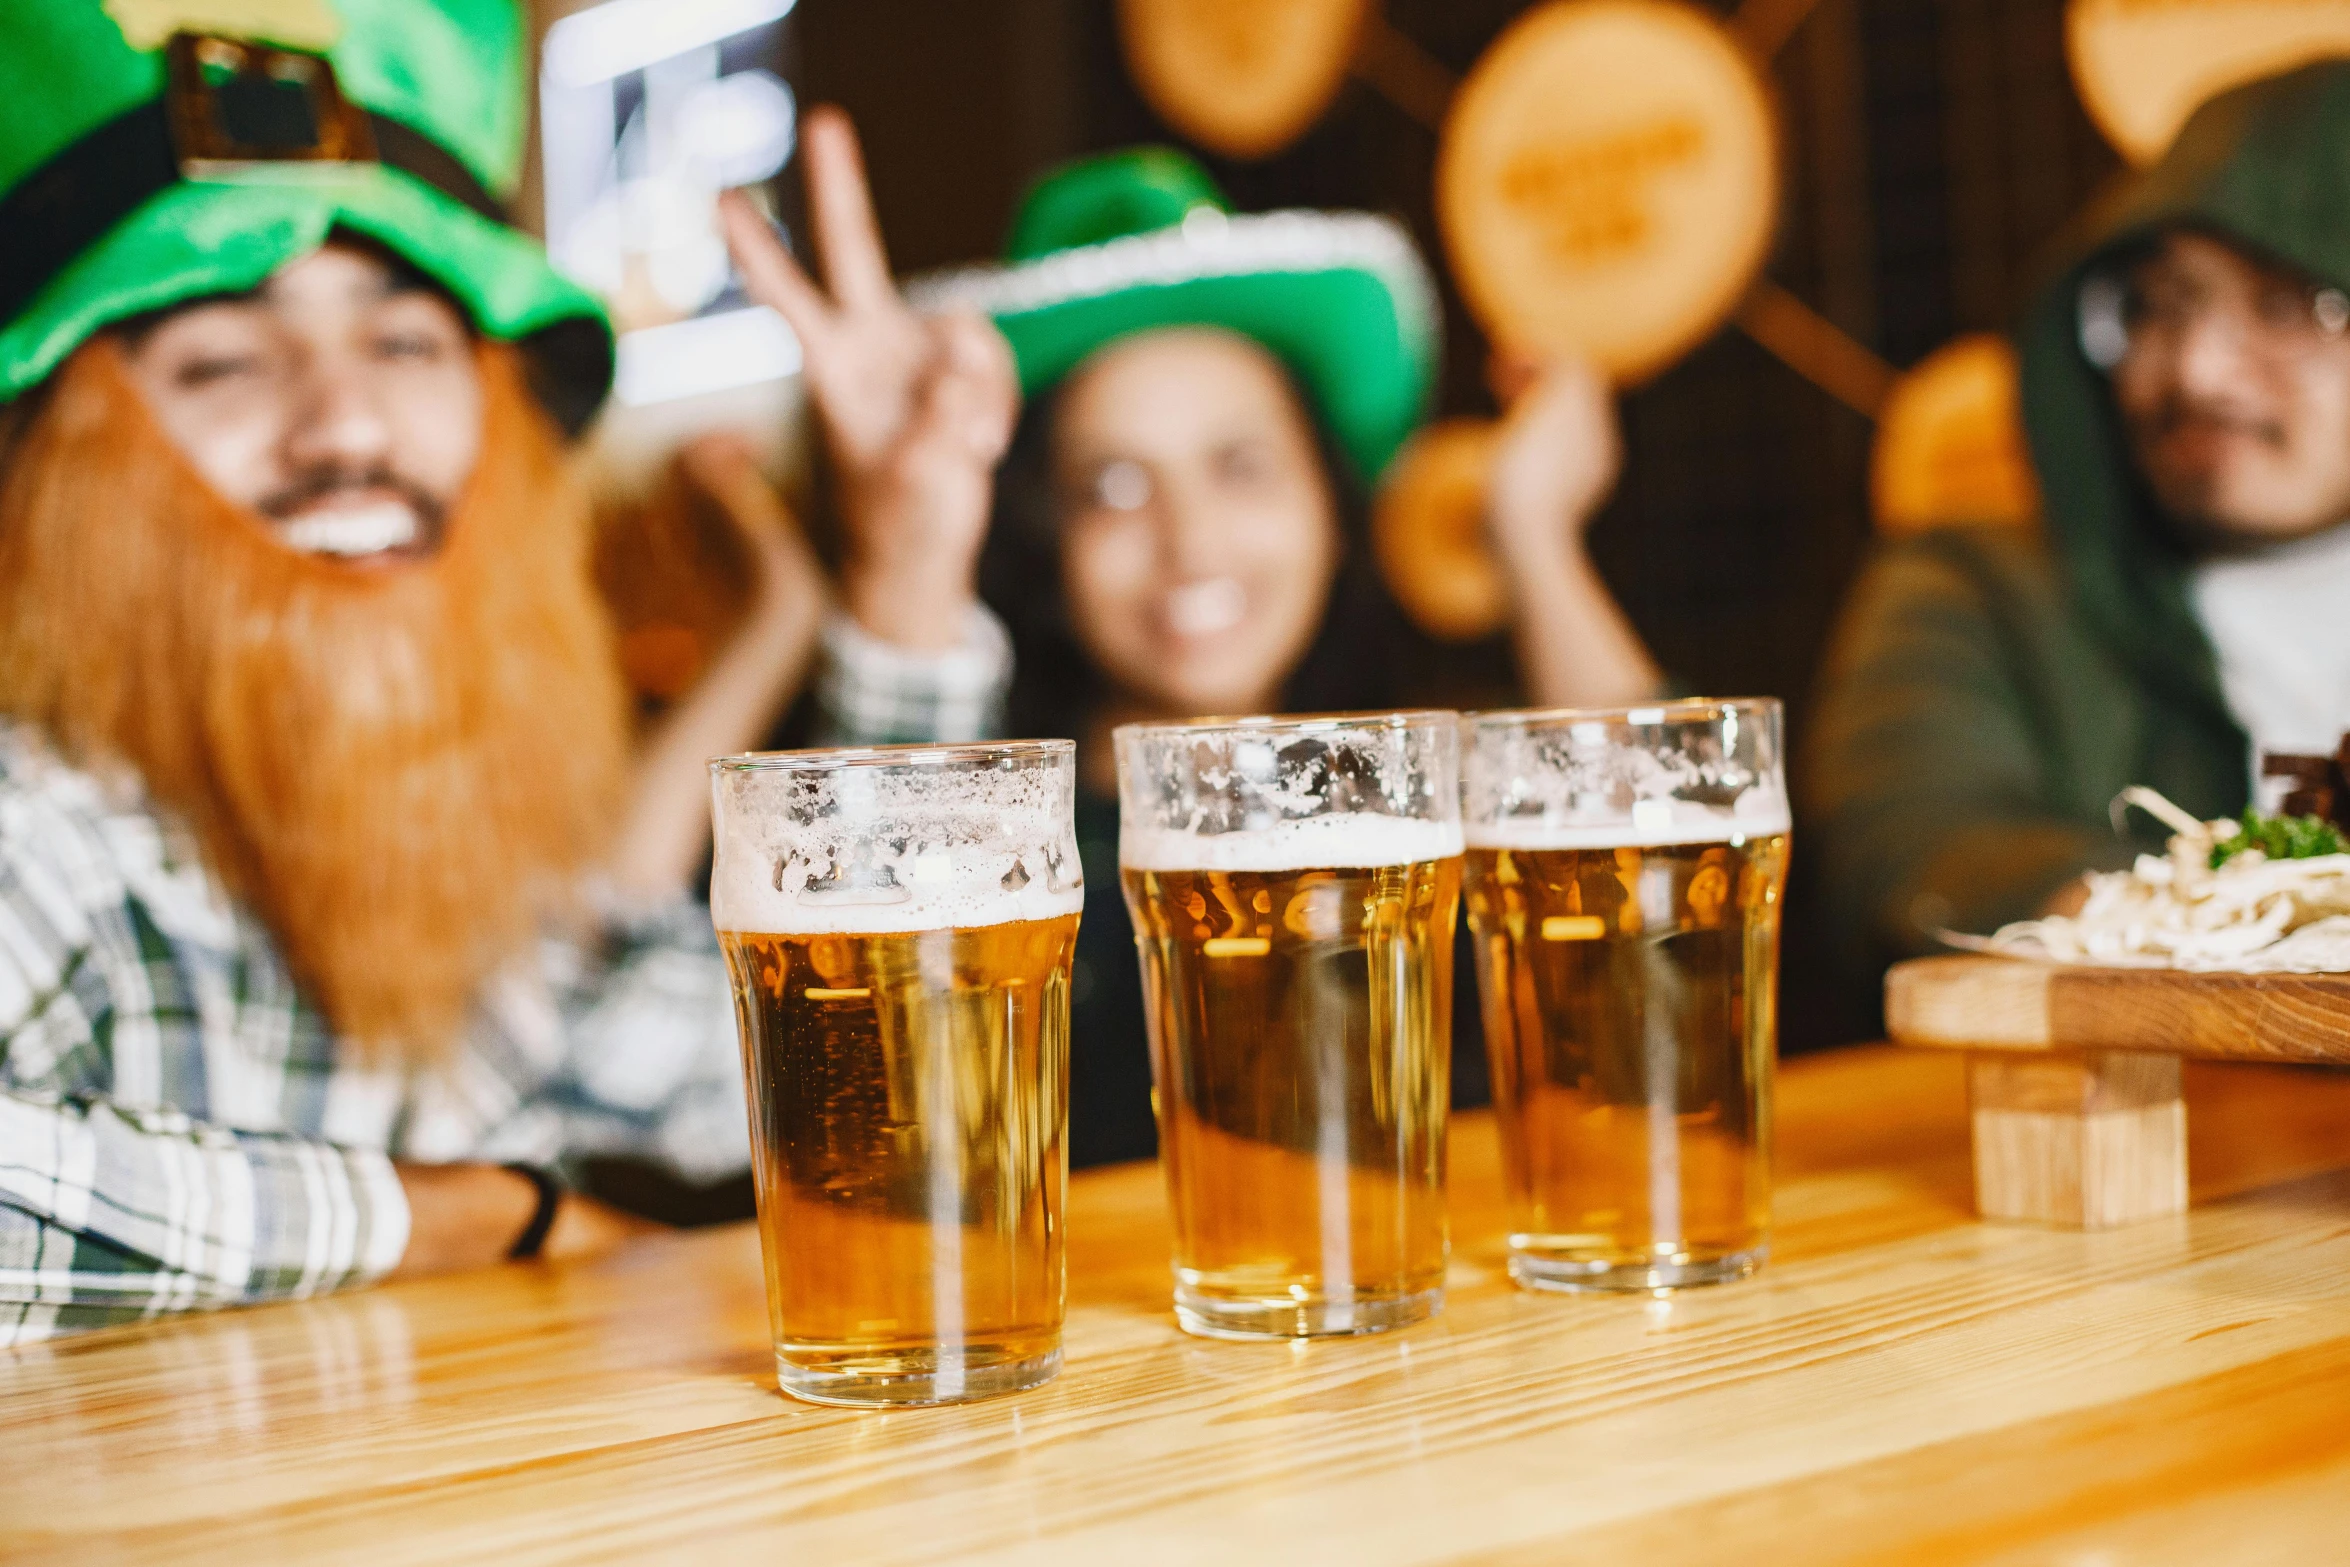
(2259, 895)
(2233, 943)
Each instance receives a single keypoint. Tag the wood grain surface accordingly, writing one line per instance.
(2089, 1139)
(1991, 1003)
(1901, 1384)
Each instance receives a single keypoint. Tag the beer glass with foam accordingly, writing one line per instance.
(1294, 885)
(898, 925)
(1624, 874)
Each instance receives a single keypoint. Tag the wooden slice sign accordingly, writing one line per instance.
(1608, 182)
(1240, 77)
(1428, 531)
(2144, 66)
(1950, 442)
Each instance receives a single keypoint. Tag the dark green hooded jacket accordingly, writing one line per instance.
(1990, 691)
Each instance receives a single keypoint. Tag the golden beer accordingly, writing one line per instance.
(1630, 1004)
(1294, 884)
(908, 1097)
(1629, 991)
(899, 926)
(1300, 1025)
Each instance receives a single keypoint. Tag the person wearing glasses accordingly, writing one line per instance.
(2184, 607)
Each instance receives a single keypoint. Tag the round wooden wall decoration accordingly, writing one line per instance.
(1241, 77)
(1950, 442)
(1608, 182)
(1428, 532)
(2144, 66)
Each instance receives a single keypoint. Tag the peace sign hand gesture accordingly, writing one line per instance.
(916, 410)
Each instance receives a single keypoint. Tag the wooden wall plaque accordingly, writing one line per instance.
(1428, 532)
(1608, 182)
(1950, 442)
(1241, 77)
(2143, 66)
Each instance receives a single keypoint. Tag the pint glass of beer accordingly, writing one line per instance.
(1624, 878)
(898, 924)
(1294, 884)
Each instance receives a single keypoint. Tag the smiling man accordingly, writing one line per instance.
(334, 904)
(2186, 606)
(370, 478)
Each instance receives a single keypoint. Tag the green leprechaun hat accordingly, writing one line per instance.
(1133, 240)
(156, 151)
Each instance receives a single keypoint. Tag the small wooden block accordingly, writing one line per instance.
(2086, 1140)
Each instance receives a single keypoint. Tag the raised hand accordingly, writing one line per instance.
(1558, 459)
(665, 832)
(1559, 456)
(916, 410)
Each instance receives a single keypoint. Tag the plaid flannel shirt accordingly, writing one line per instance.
(871, 692)
(178, 1127)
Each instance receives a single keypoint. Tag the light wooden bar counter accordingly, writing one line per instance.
(1902, 1384)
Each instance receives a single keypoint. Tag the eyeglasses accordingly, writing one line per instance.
(2279, 318)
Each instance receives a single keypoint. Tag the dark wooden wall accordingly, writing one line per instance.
(1934, 148)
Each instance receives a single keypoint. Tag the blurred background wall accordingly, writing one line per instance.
(1933, 149)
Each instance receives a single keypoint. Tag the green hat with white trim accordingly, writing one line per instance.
(1135, 240)
(154, 152)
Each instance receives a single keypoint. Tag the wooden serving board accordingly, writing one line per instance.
(1994, 1003)
(2073, 1073)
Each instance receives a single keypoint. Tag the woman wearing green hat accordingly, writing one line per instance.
(1170, 526)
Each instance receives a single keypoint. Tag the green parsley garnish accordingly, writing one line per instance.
(2281, 838)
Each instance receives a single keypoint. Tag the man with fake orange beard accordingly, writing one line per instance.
(333, 906)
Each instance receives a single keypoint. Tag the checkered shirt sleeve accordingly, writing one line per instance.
(180, 1129)
(872, 692)
(108, 1212)
(650, 1066)
(110, 1215)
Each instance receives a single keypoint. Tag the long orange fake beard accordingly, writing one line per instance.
(402, 768)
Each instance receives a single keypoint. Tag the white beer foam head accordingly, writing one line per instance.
(1698, 771)
(893, 845)
(1758, 813)
(1336, 841)
(1317, 792)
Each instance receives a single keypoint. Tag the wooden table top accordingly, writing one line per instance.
(1900, 1384)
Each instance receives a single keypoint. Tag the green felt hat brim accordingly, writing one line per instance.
(229, 234)
(1336, 331)
(1359, 337)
